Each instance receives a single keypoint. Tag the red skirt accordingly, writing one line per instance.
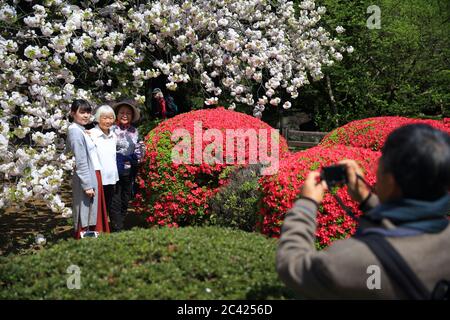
(102, 217)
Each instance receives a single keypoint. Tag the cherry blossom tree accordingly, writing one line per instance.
(252, 52)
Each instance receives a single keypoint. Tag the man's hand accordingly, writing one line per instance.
(90, 193)
(357, 189)
(313, 188)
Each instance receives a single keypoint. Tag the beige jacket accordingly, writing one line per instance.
(341, 270)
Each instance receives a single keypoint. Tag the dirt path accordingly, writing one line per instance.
(19, 227)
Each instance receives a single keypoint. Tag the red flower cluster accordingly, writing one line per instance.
(372, 132)
(447, 123)
(174, 194)
(280, 191)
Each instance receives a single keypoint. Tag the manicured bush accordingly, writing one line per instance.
(236, 204)
(280, 191)
(177, 194)
(372, 132)
(166, 263)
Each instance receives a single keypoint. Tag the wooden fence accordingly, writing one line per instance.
(302, 139)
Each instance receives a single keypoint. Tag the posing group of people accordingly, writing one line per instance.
(106, 162)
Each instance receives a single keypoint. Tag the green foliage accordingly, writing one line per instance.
(236, 204)
(185, 263)
(401, 69)
(147, 126)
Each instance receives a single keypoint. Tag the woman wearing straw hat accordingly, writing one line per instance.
(129, 153)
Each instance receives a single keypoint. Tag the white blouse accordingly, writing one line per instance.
(106, 150)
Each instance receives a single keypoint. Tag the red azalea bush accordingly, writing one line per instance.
(176, 194)
(280, 191)
(372, 132)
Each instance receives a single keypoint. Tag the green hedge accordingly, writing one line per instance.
(184, 263)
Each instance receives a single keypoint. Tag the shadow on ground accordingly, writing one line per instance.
(19, 226)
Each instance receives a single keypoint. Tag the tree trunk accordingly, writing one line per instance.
(332, 99)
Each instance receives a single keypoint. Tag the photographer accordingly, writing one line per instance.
(410, 211)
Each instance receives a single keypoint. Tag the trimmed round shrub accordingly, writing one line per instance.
(280, 191)
(372, 132)
(176, 193)
(235, 205)
(162, 263)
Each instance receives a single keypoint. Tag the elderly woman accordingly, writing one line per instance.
(129, 153)
(89, 212)
(106, 142)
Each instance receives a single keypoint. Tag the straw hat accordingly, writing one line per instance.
(132, 104)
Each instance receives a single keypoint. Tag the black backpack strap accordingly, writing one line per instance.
(396, 267)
